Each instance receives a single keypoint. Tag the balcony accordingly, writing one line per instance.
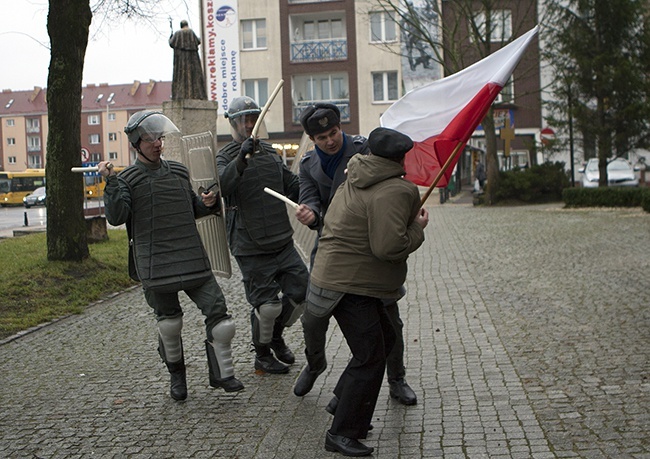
(342, 104)
(309, 1)
(319, 50)
(33, 129)
(32, 148)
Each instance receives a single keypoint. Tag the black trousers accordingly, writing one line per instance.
(370, 336)
(315, 334)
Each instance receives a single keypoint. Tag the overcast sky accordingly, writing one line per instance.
(118, 52)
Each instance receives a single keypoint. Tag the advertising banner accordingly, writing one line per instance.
(221, 50)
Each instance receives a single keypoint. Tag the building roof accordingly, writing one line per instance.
(134, 96)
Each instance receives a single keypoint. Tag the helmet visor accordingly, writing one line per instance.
(241, 127)
(154, 127)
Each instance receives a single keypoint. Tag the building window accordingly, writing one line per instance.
(112, 155)
(93, 119)
(33, 143)
(258, 90)
(11, 141)
(324, 29)
(33, 123)
(253, 34)
(11, 159)
(93, 139)
(500, 25)
(95, 157)
(11, 122)
(112, 136)
(382, 28)
(111, 117)
(34, 161)
(384, 87)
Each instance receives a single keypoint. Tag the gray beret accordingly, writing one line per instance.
(389, 143)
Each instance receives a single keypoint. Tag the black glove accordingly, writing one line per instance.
(247, 149)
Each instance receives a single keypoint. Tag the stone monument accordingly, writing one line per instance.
(189, 108)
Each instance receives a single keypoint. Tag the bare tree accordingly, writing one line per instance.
(68, 26)
(467, 31)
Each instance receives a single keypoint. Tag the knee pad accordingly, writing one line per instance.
(266, 315)
(224, 331)
(219, 351)
(169, 334)
(297, 311)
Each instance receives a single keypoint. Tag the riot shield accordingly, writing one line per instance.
(199, 158)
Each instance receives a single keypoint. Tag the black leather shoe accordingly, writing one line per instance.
(305, 382)
(346, 446)
(333, 404)
(402, 392)
(178, 380)
(230, 384)
(282, 351)
(269, 364)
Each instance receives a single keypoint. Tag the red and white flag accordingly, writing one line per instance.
(441, 115)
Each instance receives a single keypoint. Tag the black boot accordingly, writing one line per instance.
(401, 391)
(305, 381)
(264, 361)
(280, 348)
(178, 380)
(282, 351)
(178, 383)
(230, 383)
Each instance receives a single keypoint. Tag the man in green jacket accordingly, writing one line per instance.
(373, 223)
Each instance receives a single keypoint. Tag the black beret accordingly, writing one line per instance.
(389, 143)
(320, 118)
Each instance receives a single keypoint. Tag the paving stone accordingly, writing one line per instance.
(526, 333)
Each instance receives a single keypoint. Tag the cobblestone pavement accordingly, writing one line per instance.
(527, 333)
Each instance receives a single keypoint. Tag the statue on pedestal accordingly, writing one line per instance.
(188, 81)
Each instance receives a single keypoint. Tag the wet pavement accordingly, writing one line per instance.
(527, 335)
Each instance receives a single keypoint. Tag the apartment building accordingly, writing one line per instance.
(105, 110)
(346, 52)
(351, 53)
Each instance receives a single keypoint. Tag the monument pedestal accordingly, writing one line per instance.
(191, 117)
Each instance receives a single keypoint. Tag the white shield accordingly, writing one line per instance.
(199, 158)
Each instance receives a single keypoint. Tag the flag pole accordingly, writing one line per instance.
(444, 168)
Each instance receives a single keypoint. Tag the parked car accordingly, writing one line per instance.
(619, 173)
(37, 198)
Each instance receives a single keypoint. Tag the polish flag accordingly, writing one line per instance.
(442, 115)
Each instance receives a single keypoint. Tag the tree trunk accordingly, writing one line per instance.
(492, 160)
(68, 24)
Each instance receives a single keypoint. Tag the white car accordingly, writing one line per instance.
(619, 173)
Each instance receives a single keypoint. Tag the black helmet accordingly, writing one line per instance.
(150, 123)
(241, 106)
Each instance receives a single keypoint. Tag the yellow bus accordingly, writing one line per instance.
(94, 183)
(14, 186)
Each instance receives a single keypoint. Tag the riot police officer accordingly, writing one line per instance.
(154, 198)
(260, 235)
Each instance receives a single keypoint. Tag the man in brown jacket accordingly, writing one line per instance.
(373, 223)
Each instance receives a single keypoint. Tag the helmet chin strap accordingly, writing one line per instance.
(145, 156)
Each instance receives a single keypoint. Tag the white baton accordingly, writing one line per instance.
(281, 197)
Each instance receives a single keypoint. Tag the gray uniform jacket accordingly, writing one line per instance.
(316, 188)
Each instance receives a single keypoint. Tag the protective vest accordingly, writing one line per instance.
(262, 217)
(167, 251)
